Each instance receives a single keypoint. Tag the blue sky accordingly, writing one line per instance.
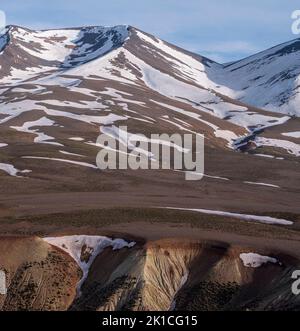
(224, 30)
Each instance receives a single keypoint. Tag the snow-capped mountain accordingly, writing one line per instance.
(269, 80)
(58, 86)
(27, 53)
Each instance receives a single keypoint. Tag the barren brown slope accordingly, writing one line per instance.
(38, 276)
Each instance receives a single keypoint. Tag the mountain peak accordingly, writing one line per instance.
(28, 53)
(60, 47)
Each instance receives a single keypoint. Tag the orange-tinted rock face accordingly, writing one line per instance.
(161, 275)
(38, 276)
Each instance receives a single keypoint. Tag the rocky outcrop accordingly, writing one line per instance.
(163, 275)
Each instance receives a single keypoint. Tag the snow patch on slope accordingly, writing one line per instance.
(253, 260)
(262, 184)
(289, 146)
(11, 170)
(41, 138)
(295, 134)
(261, 219)
(84, 249)
(203, 99)
(82, 164)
